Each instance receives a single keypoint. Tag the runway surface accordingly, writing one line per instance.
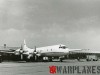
(40, 68)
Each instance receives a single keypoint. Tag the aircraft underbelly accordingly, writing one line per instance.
(54, 54)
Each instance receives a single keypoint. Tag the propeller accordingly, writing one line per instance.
(35, 50)
(36, 54)
(21, 52)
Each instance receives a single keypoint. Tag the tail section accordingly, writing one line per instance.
(24, 42)
(24, 45)
(24, 49)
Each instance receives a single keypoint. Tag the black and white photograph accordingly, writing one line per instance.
(49, 37)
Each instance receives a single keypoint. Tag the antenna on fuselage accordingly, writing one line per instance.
(35, 49)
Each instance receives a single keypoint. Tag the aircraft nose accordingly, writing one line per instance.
(67, 50)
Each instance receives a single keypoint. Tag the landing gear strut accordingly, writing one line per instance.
(61, 60)
(78, 59)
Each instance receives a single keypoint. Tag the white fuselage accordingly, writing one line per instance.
(54, 50)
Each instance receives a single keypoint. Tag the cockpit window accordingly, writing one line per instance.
(63, 47)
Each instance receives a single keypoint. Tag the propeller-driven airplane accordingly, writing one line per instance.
(47, 53)
(23, 51)
(41, 53)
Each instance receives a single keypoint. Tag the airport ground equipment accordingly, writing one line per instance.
(91, 58)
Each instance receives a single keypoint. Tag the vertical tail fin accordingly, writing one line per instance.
(24, 45)
(24, 42)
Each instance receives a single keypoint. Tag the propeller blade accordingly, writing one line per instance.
(21, 56)
(21, 47)
(21, 52)
(35, 51)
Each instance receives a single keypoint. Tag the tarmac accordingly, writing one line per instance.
(41, 68)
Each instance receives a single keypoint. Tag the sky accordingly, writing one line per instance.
(75, 23)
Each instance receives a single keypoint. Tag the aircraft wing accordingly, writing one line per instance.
(85, 52)
(8, 49)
